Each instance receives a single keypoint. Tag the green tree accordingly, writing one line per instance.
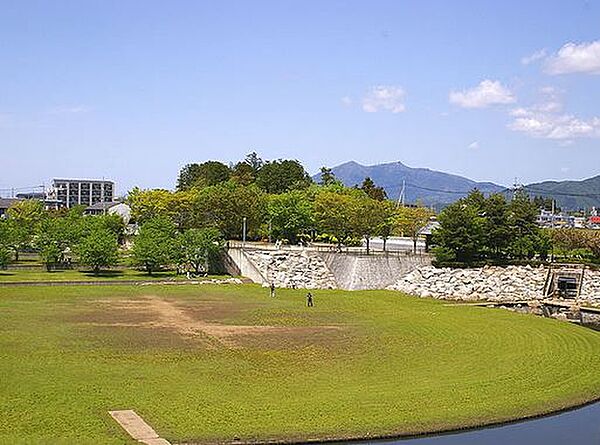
(327, 176)
(154, 246)
(245, 172)
(202, 175)
(409, 221)
(4, 256)
(26, 217)
(373, 191)
(522, 214)
(367, 217)
(387, 226)
(99, 249)
(225, 205)
(334, 211)
(290, 215)
(57, 237)
(4, 243)
(282, 176)
(497, 230)
(460, 236)
(18, 237)
(149, 204)
(199, 248)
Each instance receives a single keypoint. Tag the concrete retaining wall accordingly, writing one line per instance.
(322, 270)
(358, 272)
(240, 264)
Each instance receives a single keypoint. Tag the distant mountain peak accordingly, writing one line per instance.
(432, 188)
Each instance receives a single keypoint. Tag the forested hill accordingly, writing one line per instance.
(570, 195)
(429, 186)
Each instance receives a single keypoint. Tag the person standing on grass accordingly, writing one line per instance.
(272, 289)
(309, 300)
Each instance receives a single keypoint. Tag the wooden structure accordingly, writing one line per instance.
(564, 281)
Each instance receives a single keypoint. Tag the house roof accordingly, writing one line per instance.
(5, 203)
(103, 205)
(429, 228)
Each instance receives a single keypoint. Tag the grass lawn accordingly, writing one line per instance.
(209, 363)
(86, 275)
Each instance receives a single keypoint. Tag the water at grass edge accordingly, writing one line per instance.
(580, 426)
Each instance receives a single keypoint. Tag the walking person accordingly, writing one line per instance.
(309, 300)
(272, 289)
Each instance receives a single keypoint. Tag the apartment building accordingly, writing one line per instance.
(87, 192)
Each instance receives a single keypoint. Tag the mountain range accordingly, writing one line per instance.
(438, 189)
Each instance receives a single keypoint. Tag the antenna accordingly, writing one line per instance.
(401, 197)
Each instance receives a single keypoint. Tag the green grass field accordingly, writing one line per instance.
(86, 275)
(209, 363)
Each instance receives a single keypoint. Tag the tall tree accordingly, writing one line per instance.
(409, 221)
(290, 215)
(98, 249)
(26, 217)
(372, 190)
(56, 238)
(149, 204)
(334, 211)
(281, 176)
(526, 235)
(4, 243)
(225, 205)
(198, 248)
(497, 231)
(202, 175)
(460, 236)
(367, 217)
(327, 176)
(154, 246)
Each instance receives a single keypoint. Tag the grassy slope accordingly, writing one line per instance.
(401, 365)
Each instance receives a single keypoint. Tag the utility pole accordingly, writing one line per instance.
(402, 193)
(270, 227)
(244, 232)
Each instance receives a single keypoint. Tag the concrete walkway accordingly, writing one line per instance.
(137, 428)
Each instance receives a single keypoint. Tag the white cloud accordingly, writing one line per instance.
(546, 120)
(488, 92)
(556, 126)
(473, 145)
(538, 55)
(575, 58)
(384, 98)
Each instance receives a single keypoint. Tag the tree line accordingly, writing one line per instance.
(187, 228)
(490, 229)
(279, 201)
(66, 236)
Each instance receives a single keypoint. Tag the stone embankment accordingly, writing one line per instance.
(287, 268)
(496, 284)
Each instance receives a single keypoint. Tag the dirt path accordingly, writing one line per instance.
(168, 314)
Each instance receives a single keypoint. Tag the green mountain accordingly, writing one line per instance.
(569, 195)
(432, 188)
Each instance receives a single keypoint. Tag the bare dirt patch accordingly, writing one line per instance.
(199, 321)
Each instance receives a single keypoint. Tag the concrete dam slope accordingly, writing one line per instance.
(375, 271)
(311, 269)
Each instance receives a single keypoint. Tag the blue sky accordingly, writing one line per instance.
(133, 90)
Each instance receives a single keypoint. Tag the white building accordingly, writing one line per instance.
(87, 192)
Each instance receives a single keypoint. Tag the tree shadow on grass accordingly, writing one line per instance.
(6, 274)
(102, 273)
